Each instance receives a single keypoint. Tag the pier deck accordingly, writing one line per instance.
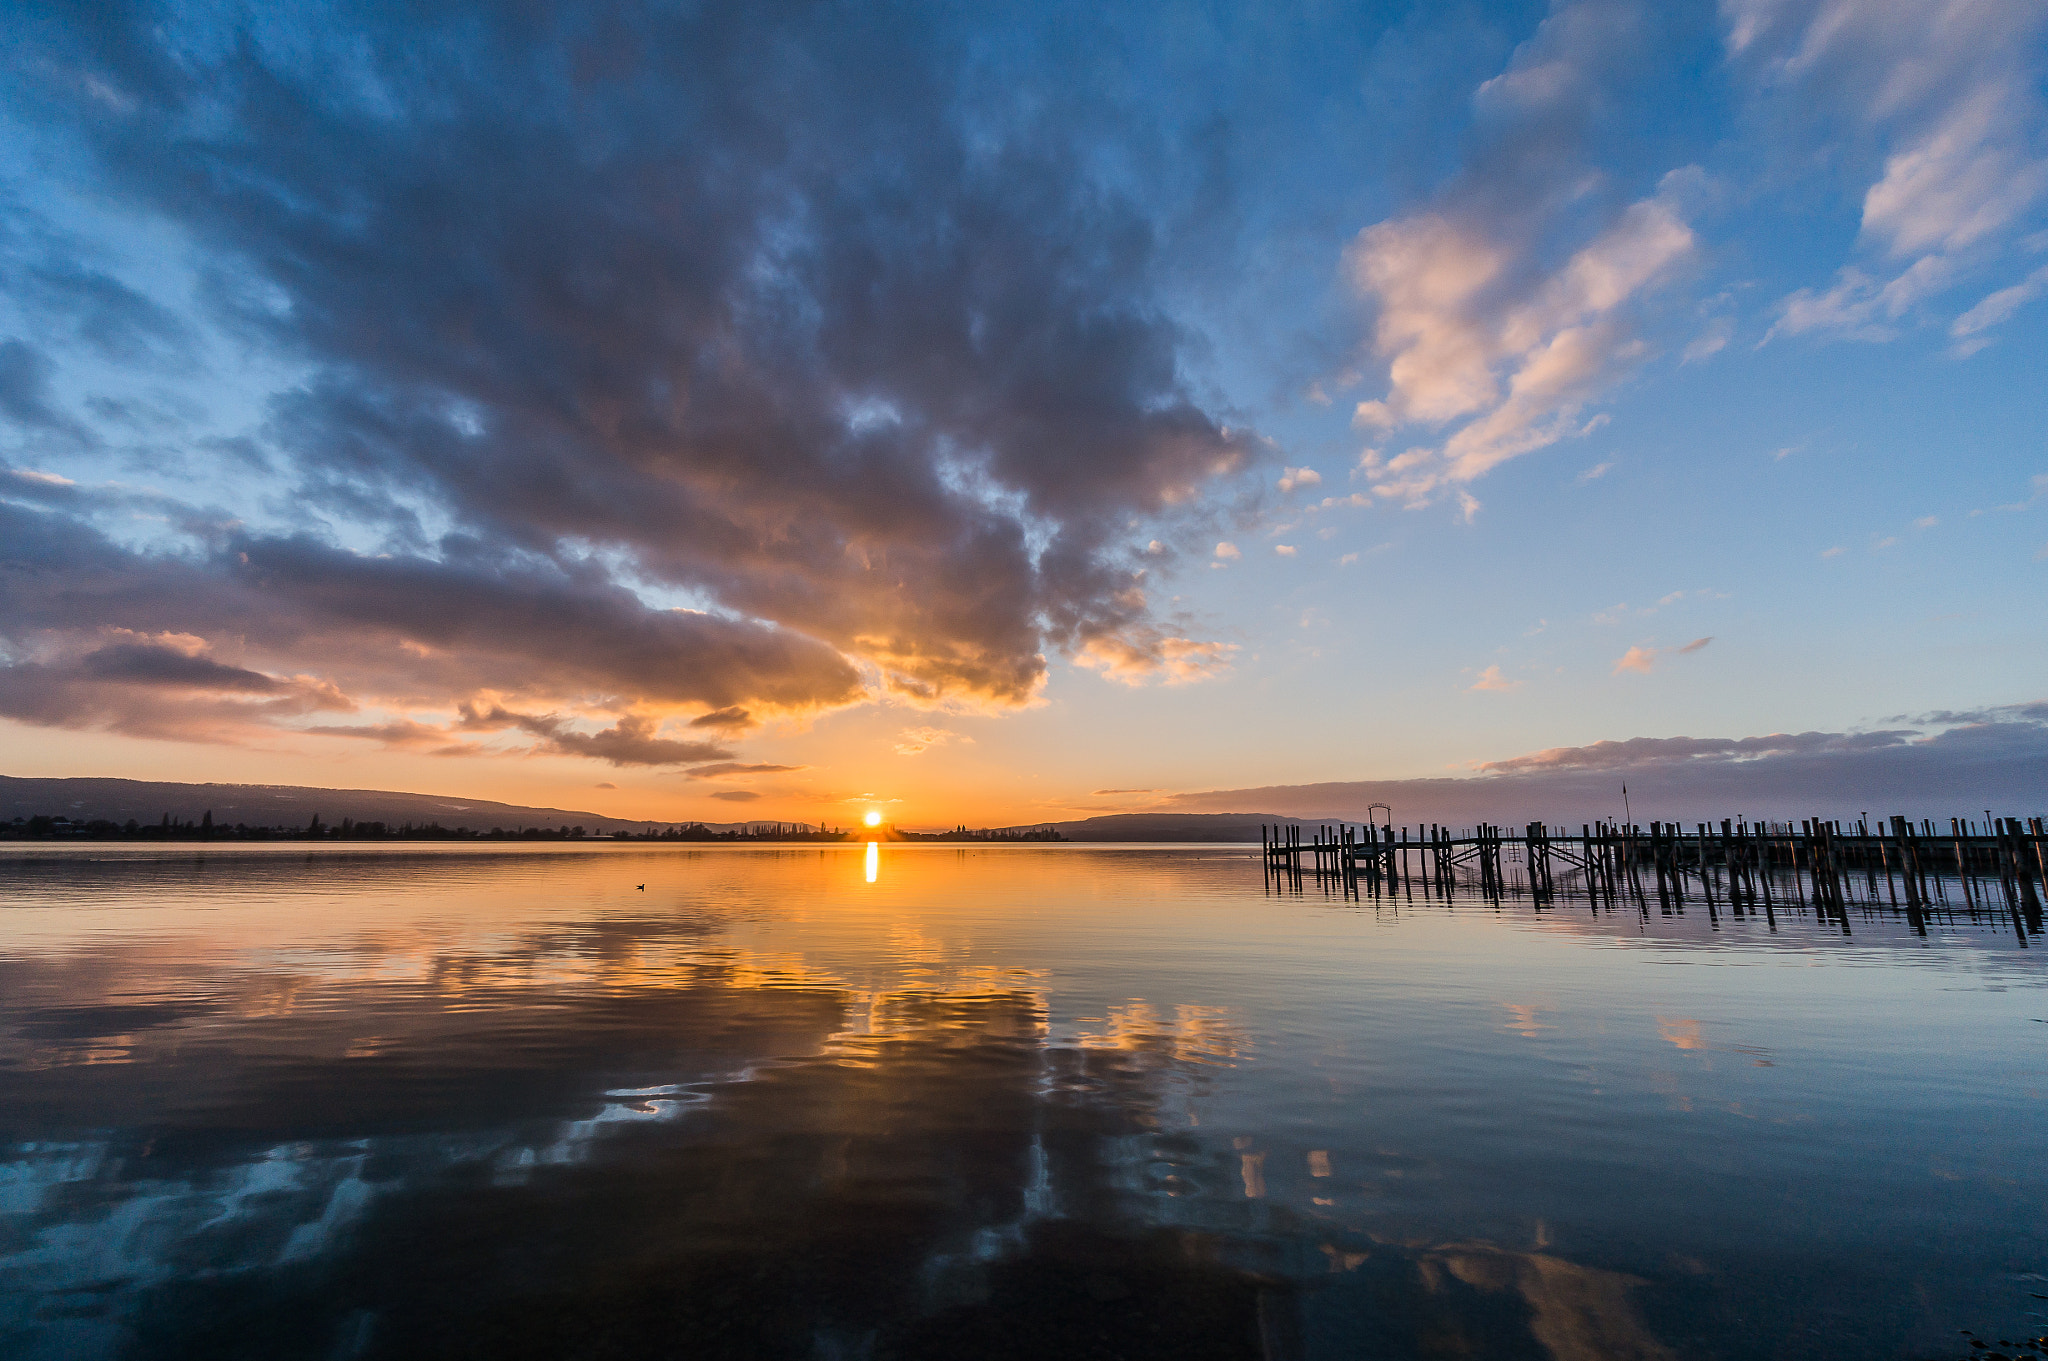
(1999, 865)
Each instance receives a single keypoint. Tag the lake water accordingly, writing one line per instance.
(931, 1101)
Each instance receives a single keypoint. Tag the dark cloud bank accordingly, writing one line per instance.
(796, 313)
(1948, 765)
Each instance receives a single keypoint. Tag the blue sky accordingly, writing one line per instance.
(964, 410)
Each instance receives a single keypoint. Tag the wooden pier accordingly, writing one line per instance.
(1999, 866)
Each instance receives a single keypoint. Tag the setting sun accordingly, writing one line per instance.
(873, 818)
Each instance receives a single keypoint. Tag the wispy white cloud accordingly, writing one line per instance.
(1951, 90)
(2038, 488)
(916, 741)
(1489, 331)
(1170, 661)
(1964, 179)
(1290, 478)
(1615, 614)
(39, 477)
(1994, 308)
(1860, 306)
(1522, 373)
(1710, 341)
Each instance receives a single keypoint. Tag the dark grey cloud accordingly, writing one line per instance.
(104, 635)
(104, 314)
(2035, 711)
(786, 308)
(629, 742)
(145, 695)
(1644, 752)
(720, 769)
(150, 664)
(1994, 758)
(401, 734)
(25, 397)
(62, 281)
(486, 619)
(114, 502)
(736, 795)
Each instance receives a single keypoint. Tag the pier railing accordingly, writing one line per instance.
(1916, 868)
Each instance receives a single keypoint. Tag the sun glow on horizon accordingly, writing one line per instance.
(873, 817)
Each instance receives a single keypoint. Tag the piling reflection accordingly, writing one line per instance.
(492, 1106)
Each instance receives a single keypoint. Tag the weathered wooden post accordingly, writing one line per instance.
(1903, 851)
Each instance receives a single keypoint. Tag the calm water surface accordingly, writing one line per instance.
(1020, 1102)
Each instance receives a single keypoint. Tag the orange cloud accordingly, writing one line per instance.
(1492, 679)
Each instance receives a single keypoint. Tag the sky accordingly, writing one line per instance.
(999, 413)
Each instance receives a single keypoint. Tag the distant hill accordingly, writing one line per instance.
(283, 805)
(1171, 826)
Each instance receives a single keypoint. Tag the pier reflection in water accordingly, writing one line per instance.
(1009, 1101)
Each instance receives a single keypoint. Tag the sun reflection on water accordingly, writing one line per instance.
(874, 860)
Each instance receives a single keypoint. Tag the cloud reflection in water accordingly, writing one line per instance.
(1049, 1102)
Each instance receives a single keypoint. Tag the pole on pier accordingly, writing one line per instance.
(2023, 870)
(1902, 848)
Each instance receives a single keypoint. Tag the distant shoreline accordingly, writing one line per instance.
(51, 827)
